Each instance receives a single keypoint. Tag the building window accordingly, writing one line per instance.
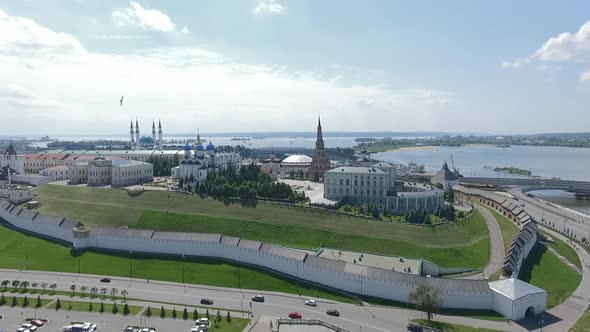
(347, 182)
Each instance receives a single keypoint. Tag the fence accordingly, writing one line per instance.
(310, 322)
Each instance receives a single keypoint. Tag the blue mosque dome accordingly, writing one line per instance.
(200, 147)
(147, 141)
(210, 147)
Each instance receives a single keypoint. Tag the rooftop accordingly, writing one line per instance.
(297, 159)
(359, 170)
(514, 288)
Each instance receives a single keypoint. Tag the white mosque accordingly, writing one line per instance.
(146, 142)
(193, 167)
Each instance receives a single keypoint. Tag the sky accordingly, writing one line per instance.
(506, 67)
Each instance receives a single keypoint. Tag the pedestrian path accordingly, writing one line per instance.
(563, 259)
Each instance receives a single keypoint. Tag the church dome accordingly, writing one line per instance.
(297, 159)
(187, 147)
(210, 146)
(146, 141)
(200, 147)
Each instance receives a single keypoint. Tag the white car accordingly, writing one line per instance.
(29, 327)
(311, 303)
(22, 329)
(202, 321)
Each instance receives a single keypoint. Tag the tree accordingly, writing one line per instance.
(57, 304)
(83, 289)
(25, 302)
(375, 214)
(218, 318)
(103, 292)
(2, 300)
(195, 314)
(93, 292)
(115, 309)
(148, 312)
(427, 299)
(44, 286)
(125, 310)
(101, 310)
(207, 314)
(73, 289)
(53, 287)
(162, 312)
(228, 318)
(185, 314)
(90, 306)
(174, 312)
(114, 292)
(5, 284)
(38, 304)
(15, 284)
(14, 302)
(34, 285)
(124, 294)
(24, 285)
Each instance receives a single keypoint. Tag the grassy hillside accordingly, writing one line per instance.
(465, 244)
(545, 270)
(507, 227)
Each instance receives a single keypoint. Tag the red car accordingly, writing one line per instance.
(294, 315)
(37, 322)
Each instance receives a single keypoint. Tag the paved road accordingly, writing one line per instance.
(353, 317)
(496, 242)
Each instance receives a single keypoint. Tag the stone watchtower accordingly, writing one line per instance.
(320, 163)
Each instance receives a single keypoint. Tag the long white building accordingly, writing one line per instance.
(376, 185)
(114, 172)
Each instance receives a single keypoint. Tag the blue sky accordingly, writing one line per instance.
(261, 65)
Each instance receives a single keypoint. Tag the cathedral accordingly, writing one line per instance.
(198, 160)
(146, 142)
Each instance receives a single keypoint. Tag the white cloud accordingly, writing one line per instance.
(185, 30)
(185, 86)
(563, 48)
(269, 7)
(149, 19)
(585, 76)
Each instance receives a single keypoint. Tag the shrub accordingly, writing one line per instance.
(195, 314)
(115, 309)
(174, 313)
(57, 304)
(162, 312)
(90, 306)
(184, 314)
(38, 304)
(101, 307)
(228, 318)
(148, 312)
(126, 310)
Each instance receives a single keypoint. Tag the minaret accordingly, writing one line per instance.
(137, 135)
(320, 164)
(131, 134)
(154, 134)
(160, 142)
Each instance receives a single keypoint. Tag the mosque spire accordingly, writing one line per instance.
(136, 126)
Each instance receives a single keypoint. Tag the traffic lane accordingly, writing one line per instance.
(275, 305)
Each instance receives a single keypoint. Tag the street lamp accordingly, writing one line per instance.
(26, 256)
(541, 322)
(183, 284)
(130, 266)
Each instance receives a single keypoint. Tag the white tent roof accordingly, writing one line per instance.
(514, 289)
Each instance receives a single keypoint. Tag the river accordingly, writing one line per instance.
(546, 161)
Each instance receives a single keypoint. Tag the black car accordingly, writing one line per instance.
(207, 301)
(105, 279)
(258, 298)
(333, 312)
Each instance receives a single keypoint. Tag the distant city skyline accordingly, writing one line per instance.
(275, 65)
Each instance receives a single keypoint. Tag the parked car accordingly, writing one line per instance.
(105, 279)
(38, 322)
(311, 303)
(206, 301)
(258, 298)
(333, 312)
(294, 315)
(29, 327)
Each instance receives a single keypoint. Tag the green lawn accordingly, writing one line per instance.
(565, 250)
(508, 228)
(545, 270)
(85, 306)
(55, 257)
(20, 300)
(447, 327)
(465, 244)
(583, 324)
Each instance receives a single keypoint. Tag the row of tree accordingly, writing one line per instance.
(163, 165)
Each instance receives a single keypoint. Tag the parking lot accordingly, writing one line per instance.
(14, 317)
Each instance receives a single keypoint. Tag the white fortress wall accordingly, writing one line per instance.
(343, 276)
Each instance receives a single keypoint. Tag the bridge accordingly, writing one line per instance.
(580, 188)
